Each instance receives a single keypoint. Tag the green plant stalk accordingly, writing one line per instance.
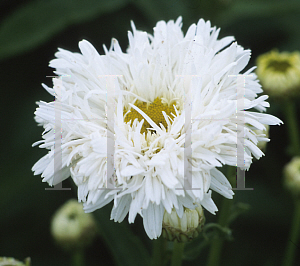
(217, 244)
(77, 258)
(292, 125)
(177, 254)
(215, 252)
(159, 247)
(293, 131)
(292, 245)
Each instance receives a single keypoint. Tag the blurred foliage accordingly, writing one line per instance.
(31, 31)
(36, 22)
(126, 248)
(39, 20)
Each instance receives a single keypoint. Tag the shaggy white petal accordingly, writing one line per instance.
(152, 218)
(119, 212)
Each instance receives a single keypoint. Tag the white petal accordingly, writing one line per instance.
(208, 203)
(118, 213)
(102, 201)
(152, 220)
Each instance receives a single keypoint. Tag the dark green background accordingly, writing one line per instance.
(31, 31)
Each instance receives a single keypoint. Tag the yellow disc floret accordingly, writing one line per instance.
(153, 110)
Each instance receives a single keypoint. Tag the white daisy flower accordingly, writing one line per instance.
(149, 121)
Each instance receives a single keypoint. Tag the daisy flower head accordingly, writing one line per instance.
(124, 129)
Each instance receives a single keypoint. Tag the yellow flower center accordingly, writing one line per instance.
(153, 110)
(279, 65)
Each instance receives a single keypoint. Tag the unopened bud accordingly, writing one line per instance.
(279, 73)
(292, 176)
(12, 262)
(71, 227)
(183, 229)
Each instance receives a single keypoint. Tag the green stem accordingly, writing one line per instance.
(77, 258)
(214, 256)
(292, 124)
(293, 131)
(217, 244)
(177, 254)
(158, 251)
(294, 237)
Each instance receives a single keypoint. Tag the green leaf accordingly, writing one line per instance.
(193, 249)
(211, 231)
(238, 209)
(38, 21)
(126, 248)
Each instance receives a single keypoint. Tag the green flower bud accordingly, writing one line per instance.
(71, 227)
(183, 229)
(292, 176)
(12, 262)
(279, 73)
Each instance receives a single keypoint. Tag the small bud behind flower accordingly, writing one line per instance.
(12, 262)
(292, 176)
(183, 229)
(71, 227)
(279, 73)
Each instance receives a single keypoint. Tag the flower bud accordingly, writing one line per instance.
(183, 229)
(279, 73)
(292, 176)
(12, 262)
(71, 227)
